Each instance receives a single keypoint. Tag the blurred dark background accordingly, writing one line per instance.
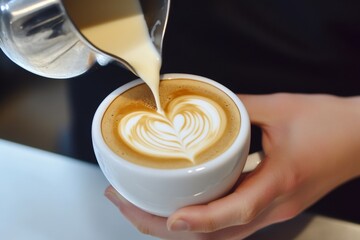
(33, 110)
(250, 46)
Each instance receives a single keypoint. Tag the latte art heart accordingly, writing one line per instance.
(189, 125)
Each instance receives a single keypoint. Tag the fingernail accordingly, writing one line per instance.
(179, 226)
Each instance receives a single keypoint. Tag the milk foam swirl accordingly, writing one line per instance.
(189, 125)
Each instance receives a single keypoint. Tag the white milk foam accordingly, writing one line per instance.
(189, 125)
(118, 27)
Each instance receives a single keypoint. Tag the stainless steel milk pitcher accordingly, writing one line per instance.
(39, 36)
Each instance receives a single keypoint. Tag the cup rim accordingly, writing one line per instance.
(239, 142)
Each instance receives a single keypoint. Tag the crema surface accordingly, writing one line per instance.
(199, 122)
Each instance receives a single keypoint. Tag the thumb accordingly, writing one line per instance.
(252, 196)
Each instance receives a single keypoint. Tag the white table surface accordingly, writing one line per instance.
(45, 196)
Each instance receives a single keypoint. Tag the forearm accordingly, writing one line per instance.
(353, 109)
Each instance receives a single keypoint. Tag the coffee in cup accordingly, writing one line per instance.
(198, 123)
(201, 157)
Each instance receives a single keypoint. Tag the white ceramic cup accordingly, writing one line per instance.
(162, 191)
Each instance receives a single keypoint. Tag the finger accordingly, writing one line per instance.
(146, 223)
(136, 216)
(251, 197)
(264, 108)
(257, 107)
(274, 213)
